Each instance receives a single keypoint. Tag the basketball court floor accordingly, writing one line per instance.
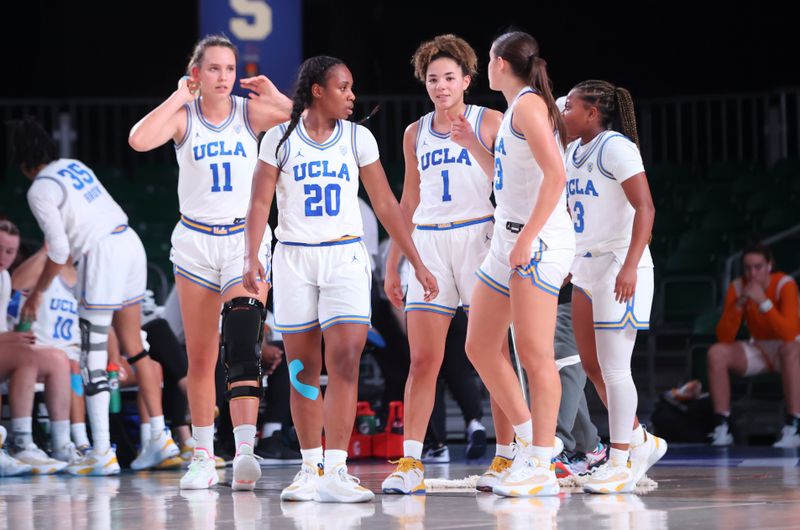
(697, 487)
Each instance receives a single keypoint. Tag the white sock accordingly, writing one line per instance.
(637, 436)
(333, 458)
(268, 429)
(244, 434)
(79, 435)
(524, 432)
(22, 431)
(156, 426)
(542, 454)
(506, 451)
(614, 349)
(3, 434)
(59, 433)
(145, 431)
(204, 436)
(412, 449)
(312, 457)
(618, 457)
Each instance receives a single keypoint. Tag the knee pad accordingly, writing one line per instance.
(94, 381)
(240, 345)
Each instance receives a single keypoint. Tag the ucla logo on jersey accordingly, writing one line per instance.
(68, 306)
(217, 148)
(320, 168)
(590, 167)
(574, 188)
(342, 150)
(237, 128)
(443, 156)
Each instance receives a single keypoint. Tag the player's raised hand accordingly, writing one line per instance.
(461, 131)
(189, 88)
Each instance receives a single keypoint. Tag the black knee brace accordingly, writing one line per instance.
(94, 381)
(240, 345)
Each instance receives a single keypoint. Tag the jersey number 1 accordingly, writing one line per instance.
(446, 197)
(215, 175)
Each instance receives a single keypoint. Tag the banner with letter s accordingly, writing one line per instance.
(268, 34)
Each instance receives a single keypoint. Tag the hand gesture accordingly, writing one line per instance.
(460, 130)
(393, 288)
(625, 286)
(754, 292)
(261, 88)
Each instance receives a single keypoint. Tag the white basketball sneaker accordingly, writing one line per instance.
(339, 486)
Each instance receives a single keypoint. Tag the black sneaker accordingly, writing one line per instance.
(277, 450)
(476, 444)
(436, 455)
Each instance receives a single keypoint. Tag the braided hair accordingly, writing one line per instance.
(614, 103)
(313, 71)
(30, 144)
(521, 51)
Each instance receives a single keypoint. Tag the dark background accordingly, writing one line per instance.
(118, 49)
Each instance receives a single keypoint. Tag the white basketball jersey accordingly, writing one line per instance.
(215, 165)
(517, 179)
(601, 214)
(57, 320)
(317, 190)
(88, 213)
(452, 185)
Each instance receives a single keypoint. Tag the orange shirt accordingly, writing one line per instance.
(782, 322)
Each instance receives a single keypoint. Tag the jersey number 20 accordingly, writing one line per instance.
(315, 195)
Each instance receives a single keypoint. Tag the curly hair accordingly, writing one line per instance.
(449, 46)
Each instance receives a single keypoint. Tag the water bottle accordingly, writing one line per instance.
(23, 325)
(115, 405)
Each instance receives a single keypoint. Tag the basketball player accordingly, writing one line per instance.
(215, 143)
(449, 163)
(529, 258)
(612, 213)
(321, 267)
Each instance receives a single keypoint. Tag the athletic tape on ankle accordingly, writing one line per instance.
(307, 391)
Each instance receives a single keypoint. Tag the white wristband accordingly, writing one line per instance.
(765, 306)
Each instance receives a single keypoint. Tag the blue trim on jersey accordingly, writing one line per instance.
(346, 319)
(420, 126)
(212, 230)
(584, 292)
(285, 147)
(466, 308)
(343, 241)
(220, 127)
(133, 301)
(578, 162)
(456, 224)
(247, 124)
(296, 328)
(478, 122)
(434, 133)
(526, 90)
(354, 142)
(330, 142)
(431, 308)
(188, 127)
(199, 280)
(492, 283)
(604, 171)
(119, 229)
(237, 280)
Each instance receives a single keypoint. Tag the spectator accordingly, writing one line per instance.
(767, 302)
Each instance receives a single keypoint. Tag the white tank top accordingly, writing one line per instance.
(601, 214)
(317, 190)
(452, 185)
(88, 213)
(57, 320)
(517, 179)
(215, 165)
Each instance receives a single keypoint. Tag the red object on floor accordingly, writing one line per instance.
(389, 444)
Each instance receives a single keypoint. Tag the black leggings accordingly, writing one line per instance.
(168, 352)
